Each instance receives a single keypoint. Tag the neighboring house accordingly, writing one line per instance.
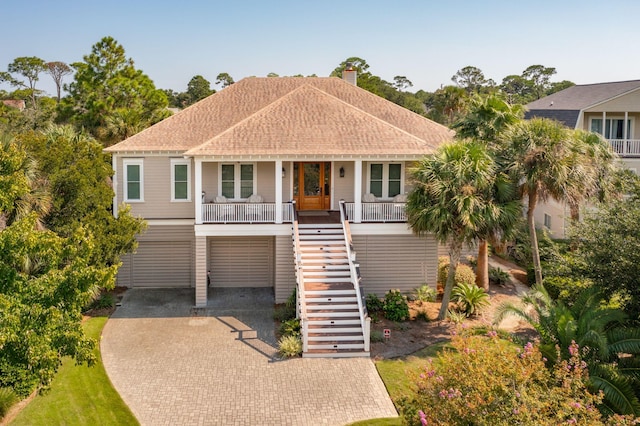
(611, 109)
(216, 182)
(15, 103)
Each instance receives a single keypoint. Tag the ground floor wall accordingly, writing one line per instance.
(164, 258)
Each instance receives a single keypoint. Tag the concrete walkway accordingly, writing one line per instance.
(174, 365)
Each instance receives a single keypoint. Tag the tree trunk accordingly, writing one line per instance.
(455, 248)
(482, 268)
(533, 199)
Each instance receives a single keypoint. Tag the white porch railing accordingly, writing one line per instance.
(379, 212)
(244, 213)
(625, 147)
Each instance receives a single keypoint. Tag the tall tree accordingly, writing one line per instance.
(471, 79)
(57, 70)
(540, 77)
(452, 200)
(30, 68)
(106, 84)
(198, 88)
(447, 104)
(401, 82)
(517, 89)
(486, 119)
(224, 79)
(546, 160)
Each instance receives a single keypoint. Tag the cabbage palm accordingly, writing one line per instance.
(486, 119)
(451, 198)
(598, 330)
(548, 162)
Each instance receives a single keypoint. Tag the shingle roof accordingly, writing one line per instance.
(291, 115)
(565, 105)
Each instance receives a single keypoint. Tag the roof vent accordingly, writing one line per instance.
(350, 75)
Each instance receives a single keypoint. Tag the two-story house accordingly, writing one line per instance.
(280, 182)
(610, 109)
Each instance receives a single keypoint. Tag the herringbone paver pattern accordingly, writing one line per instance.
(219, 367)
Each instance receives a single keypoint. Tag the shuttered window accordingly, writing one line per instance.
(385, 179)
(237, 181)
(180, 182)
(133, 182)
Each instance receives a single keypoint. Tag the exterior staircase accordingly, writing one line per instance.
(333, 319)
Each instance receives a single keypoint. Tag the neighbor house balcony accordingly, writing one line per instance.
(378, 211)
(245, 213)
(625, 147)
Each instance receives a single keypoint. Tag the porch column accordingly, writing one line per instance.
(357, 192)
(627, 144)
(198, 191)
(114, 183)
(604, 124)
(279, 178)
(201, 271)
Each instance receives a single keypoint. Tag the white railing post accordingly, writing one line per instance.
(357, 191)
(278, 182)
(198, 191)
(367, 334)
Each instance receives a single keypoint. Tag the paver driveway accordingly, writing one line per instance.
(177, 366)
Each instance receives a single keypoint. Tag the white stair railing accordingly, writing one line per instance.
(365, 321)
(301, 309)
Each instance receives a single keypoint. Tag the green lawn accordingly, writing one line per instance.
(79, 395)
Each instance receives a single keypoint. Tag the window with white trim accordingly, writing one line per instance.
(385, 179)
(547, 221)
(180, 179)
(237, 181)
(133, 180)
(613, 128)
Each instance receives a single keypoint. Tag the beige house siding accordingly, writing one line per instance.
(156, 183)
(402, 262)
(266, 184)
(210, 180)
(164, 258)
(342, 187)
(241, 261)
(285, 274)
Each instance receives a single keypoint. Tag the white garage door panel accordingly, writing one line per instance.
(241, 262)
(162, 264)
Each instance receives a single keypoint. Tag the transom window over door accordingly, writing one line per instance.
(385, 179)
(613, 129)
(237, 181)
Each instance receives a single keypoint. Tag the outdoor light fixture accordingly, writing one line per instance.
(341, 171)
(284, 172)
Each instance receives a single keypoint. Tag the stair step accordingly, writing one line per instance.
(334, 339)
(322, 243)
(316, 273)
(344, 267)
(321, 237)
(339, 314)
(331, 322)
(335, 330)
(347, 353)
(338, 346)
(350, 292)
(330, 308)
(321, 280)
(319, 226)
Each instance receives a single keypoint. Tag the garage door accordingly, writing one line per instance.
(162, 264)
(241, 262)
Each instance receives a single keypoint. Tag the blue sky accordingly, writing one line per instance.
(426, 41)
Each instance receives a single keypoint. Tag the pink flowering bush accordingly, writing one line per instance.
(484, 380)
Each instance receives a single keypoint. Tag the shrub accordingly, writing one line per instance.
(7, 399)
(374, 304)
(395, 306)
(424, 293)
(470, 298)
(284, 313)
(456, 317)
(566, 289)
(498, 276)
(484, 380)
(290, 346)
(376, 336)
(290, 327)
(292, 300)
(464, 274)
(103, 301)
(422, 315)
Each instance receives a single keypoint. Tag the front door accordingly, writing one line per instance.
(311, 182)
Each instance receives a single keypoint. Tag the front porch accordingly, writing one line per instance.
(625, 147)
(258, 192)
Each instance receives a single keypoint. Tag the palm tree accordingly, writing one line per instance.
(28, 192)
(548, 162)
(486, 119)
(597, 329)
(452, 199)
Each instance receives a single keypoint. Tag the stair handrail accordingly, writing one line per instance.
(301, 309)
(355, 275)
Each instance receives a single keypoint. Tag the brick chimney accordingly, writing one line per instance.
(350, 75)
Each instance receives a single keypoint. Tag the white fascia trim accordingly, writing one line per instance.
(169, 222)
(242, 230)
